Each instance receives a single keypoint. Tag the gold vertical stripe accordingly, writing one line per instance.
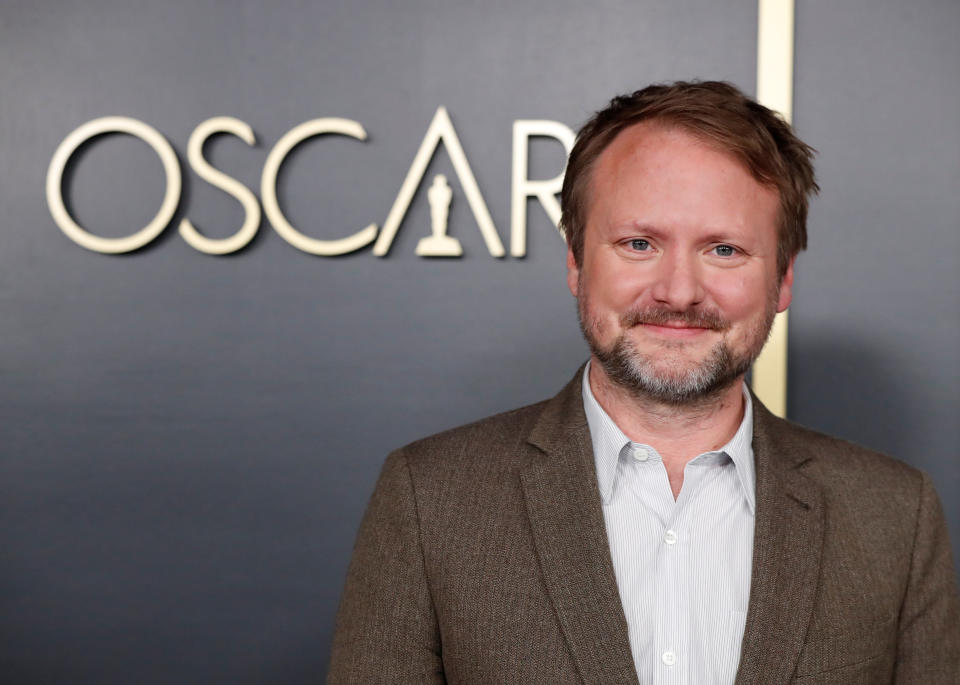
(775, 56)
(774, 90)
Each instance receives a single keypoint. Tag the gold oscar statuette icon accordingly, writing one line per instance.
(439, 244)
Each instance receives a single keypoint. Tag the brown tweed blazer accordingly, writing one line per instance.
(483, 558)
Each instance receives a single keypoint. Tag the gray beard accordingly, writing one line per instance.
(634, 372)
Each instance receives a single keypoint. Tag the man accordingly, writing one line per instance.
(653, 522)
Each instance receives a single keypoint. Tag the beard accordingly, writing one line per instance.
(668, 378)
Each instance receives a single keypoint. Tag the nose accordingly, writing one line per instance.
(678, 284)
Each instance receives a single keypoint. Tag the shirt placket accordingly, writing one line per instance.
(673, 610)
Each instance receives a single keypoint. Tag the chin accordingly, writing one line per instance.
(675, 382)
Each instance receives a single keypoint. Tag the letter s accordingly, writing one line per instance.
(215, 177)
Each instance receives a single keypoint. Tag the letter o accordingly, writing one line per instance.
(96, 127)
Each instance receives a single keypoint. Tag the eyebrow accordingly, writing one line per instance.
(713, 235)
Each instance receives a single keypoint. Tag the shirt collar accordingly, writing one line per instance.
(608, 442)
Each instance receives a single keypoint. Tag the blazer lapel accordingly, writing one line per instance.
(788, 541)
(563, 504)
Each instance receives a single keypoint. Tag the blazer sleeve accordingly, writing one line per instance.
(386, 629)
(929, 642)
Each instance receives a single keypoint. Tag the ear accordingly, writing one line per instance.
(786, 287)
(573, 273)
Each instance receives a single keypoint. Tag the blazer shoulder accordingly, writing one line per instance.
(496, 437)
(844, 463)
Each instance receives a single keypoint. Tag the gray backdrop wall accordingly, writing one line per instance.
(188, 441)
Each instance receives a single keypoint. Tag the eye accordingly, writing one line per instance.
(725, 250)
(639, 244)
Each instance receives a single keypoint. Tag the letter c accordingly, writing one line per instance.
(96, 127)
(268, 189)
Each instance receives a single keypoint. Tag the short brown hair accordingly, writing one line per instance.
(723, 117)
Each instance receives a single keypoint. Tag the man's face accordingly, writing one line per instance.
(678, 284)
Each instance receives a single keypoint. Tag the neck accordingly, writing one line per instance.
(678, 432)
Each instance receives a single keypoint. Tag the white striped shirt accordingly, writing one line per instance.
(682, 567)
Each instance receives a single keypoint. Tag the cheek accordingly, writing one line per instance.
(611, 288)
(739, 295)
(626, 291)
(627, 284)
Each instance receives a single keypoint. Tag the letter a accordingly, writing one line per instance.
(441, 128)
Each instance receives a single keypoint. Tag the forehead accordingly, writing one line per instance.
(656, 166)
(653, 144)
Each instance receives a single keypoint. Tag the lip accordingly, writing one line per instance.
(675, 332)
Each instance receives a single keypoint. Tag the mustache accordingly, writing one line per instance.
(662, 316)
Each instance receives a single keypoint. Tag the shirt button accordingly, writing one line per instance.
(640, 453)
(669, 658)
(671, 539)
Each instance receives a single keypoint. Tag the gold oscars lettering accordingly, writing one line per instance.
(440, 195)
